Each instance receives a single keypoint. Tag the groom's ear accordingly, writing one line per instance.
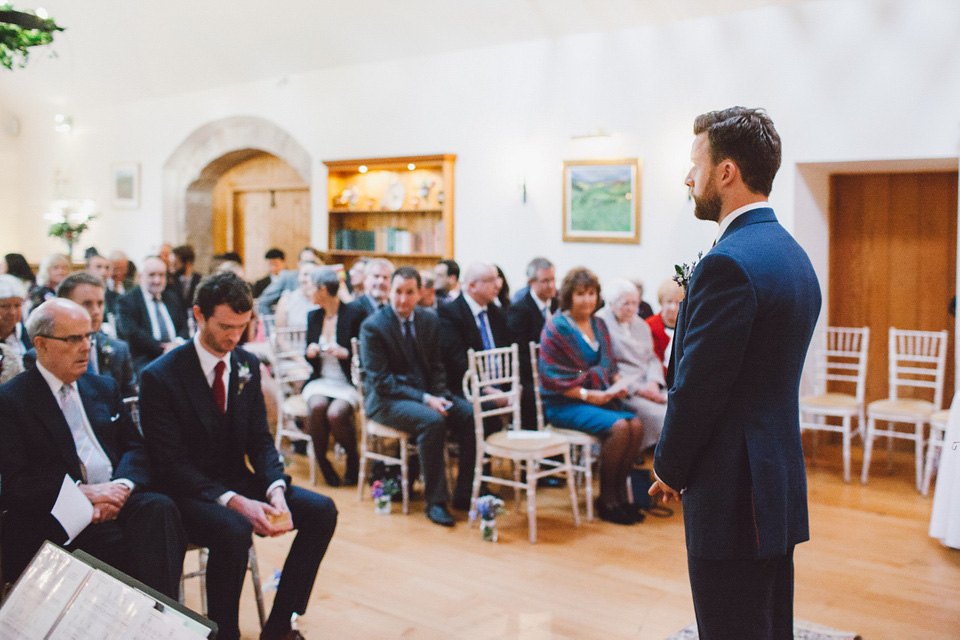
(728, 173)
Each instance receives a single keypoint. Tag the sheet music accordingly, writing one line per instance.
(43, 591)
(106, 610)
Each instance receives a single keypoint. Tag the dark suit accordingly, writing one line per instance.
(731, 438)
(134, 325)
(37, 449)
(394, 396)
(113, 359)
(111, 303)
(368, 303)
(459, 332)
(261, 285)
(184, 293)
(349, 318)
(201, 454)
(525, 324)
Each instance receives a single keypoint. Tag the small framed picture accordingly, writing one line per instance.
(601, 201)
(126, 185)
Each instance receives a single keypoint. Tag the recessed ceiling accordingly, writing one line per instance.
(123, 50)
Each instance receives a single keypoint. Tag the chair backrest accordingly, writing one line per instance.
(494, 376)
(356, 376)
(289, 342)
(842, 360)
(535, 368)
(917, 361)
(269, 324)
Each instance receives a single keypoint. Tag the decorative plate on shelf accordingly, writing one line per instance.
(393, 196)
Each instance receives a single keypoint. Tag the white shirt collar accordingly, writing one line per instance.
(208, 361)
(54, 382)
(543, 306)
(148, 297)
(736, 213)
(475, 307)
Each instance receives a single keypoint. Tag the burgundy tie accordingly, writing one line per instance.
(219, 391)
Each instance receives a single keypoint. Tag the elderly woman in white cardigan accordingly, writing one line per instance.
(636, 361)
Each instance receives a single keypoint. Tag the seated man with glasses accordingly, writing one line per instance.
(63, 425)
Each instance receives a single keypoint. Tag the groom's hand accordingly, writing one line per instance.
(659, 486)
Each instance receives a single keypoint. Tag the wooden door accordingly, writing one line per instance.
(893, 257)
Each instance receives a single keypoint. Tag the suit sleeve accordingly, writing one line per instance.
(125, 375)
(271, 294)
(26, 486)
(374, 350)
(721, 305)
(162, 427)
(132, 328)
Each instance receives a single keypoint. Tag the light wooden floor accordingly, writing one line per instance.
(869, 567)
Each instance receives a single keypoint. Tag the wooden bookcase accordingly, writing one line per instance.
(397, 208)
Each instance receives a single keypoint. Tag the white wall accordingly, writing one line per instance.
(843, 80)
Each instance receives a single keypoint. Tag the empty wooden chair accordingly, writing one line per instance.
(938, 432)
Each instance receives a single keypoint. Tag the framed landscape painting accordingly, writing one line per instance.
(601, 201)
(126, 185)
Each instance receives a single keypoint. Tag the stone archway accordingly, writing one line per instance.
(192, 171)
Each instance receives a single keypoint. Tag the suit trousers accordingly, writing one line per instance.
(146, 541)
(228, 535)
(430, 428)
(743, 598)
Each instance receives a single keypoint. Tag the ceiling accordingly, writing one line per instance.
(123, 50)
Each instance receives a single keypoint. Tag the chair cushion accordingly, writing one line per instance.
(910, 409)
(829, 401)
(574, 436)
(939, 419)
(503, 440)
(295, 406)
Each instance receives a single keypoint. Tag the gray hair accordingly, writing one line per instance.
(43, 273)
(377, 262)
(476, 271)
(12, 287)
(617, 288)
(537, 264)
(427, 278)
(326, 278)
(43, 319)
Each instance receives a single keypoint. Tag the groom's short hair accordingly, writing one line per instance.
(224, 288)
(748, 138)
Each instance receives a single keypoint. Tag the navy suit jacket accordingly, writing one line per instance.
(37, 447)
(349, 318)
(525, 323)
(134, 326)
(113, 359)
(387, 368)
(459, 332)
(196, 451)
(731, 438)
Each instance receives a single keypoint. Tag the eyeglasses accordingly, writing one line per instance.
(73, 340)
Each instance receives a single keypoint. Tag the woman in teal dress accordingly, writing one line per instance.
(578, 376)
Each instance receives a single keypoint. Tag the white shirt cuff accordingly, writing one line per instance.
(278, 483)
(225, 497)
(126, 483)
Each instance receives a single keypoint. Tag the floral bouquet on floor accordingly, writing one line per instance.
(487, 509)
(383, 492)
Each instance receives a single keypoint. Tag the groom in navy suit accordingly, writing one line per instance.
(205, 427)
(731, 440)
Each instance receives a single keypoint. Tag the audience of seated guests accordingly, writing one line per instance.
(446, 281)
(644, 310)
(183, 280)
(286, 281)
(578, 376)
(662, 325)
(525, 319)
(13, 333)
(356, 276)
(151, 319)
(471, 321)
(15, 264)
(503, 299)
(108, 356)
(376, 284)
(636, 361)
(276, 263)
(122, 277)
(53, 269)
(206, 433)
(405, 387)
(329, 393)
(60, 421)
(295, 304)
(10, 365)
(428, 293)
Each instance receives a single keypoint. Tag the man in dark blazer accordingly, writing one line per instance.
(285, 281)
(731, 440)
(471, 321)
(276, 263)
(183, 281)
(108, 356)
(205, 426)
(525, 320)
(151, 319)
(376, 284)
(59, 421)
(405, 387)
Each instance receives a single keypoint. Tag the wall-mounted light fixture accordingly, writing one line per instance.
(599, 133)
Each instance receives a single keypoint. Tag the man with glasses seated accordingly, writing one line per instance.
(63, 425)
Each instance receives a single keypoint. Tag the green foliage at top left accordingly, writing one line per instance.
(19, 31)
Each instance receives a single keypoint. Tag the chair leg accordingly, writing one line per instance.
(516, 476)
(475, 489)
(254, 567)
(568, 463)
(531, 501)
(867, 449)
(362, 476)
(928, 467)
(312, 457)
(202, 570)
(588, 478)
(846, 448)
(405, 475)
(918, 453)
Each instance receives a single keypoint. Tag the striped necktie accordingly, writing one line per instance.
(94, 464)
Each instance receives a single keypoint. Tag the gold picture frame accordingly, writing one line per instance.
(601, 200)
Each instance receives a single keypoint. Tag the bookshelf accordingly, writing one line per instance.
(397, 208)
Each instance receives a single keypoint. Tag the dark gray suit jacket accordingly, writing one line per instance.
(134, 325)
(113, 359)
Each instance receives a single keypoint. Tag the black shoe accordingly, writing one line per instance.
(616, 514)
(461, 504)
(329, 475)
(551, 482)
(636, 510)
(438, 514)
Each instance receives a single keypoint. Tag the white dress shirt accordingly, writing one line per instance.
(736, 213)
(149, 300)
(475, 309)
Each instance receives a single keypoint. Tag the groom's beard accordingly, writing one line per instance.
(707, 207)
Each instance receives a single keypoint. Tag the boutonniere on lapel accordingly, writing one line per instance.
(685, 271)
(243, 377)
(107, 351)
